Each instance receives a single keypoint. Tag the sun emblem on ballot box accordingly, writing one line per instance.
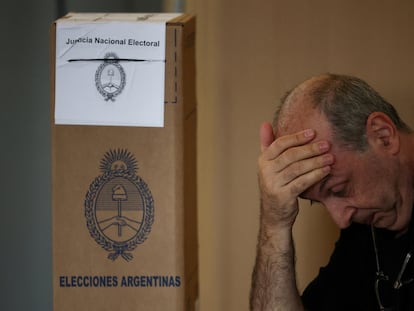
(119, 207)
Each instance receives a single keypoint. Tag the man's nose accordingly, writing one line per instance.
(340, 213)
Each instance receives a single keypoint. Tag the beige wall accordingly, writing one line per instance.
(249, 53)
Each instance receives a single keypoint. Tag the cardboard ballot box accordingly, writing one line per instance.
(124, 193)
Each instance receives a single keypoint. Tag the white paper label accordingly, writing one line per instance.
(111, 72)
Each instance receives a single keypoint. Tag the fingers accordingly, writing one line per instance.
(304, 181)
(296, 177)
(266, 135)
(306, 166)
(286, 150)
(283, 143)
(301, 153)
(289, 165)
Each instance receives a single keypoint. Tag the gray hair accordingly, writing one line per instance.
(347, 102)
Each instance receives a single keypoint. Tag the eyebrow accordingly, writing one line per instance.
(323, 183)
(321, 188)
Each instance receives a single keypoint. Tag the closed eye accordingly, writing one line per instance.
(339, 193)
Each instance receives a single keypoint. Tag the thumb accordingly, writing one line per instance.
(266, 135)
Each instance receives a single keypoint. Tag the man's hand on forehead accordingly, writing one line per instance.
(288, 166)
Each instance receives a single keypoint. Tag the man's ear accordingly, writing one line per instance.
(382, 132)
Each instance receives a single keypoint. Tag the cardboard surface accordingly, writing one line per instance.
(124, 201)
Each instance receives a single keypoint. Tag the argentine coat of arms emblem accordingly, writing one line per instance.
(119, 207)
(110, 77)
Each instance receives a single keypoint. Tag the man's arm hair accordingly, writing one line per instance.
(274, 279)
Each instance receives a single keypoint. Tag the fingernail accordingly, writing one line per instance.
(323, 145)
(309, 133)
(327, 159)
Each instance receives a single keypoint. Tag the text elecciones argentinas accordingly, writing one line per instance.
(120, 281)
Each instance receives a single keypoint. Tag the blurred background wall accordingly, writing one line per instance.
(248, 54)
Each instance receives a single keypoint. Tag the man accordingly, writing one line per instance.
(335, 140)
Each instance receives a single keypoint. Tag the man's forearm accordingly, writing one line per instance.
(287, 166)
(274, 280)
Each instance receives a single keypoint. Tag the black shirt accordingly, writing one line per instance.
(348, 281)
